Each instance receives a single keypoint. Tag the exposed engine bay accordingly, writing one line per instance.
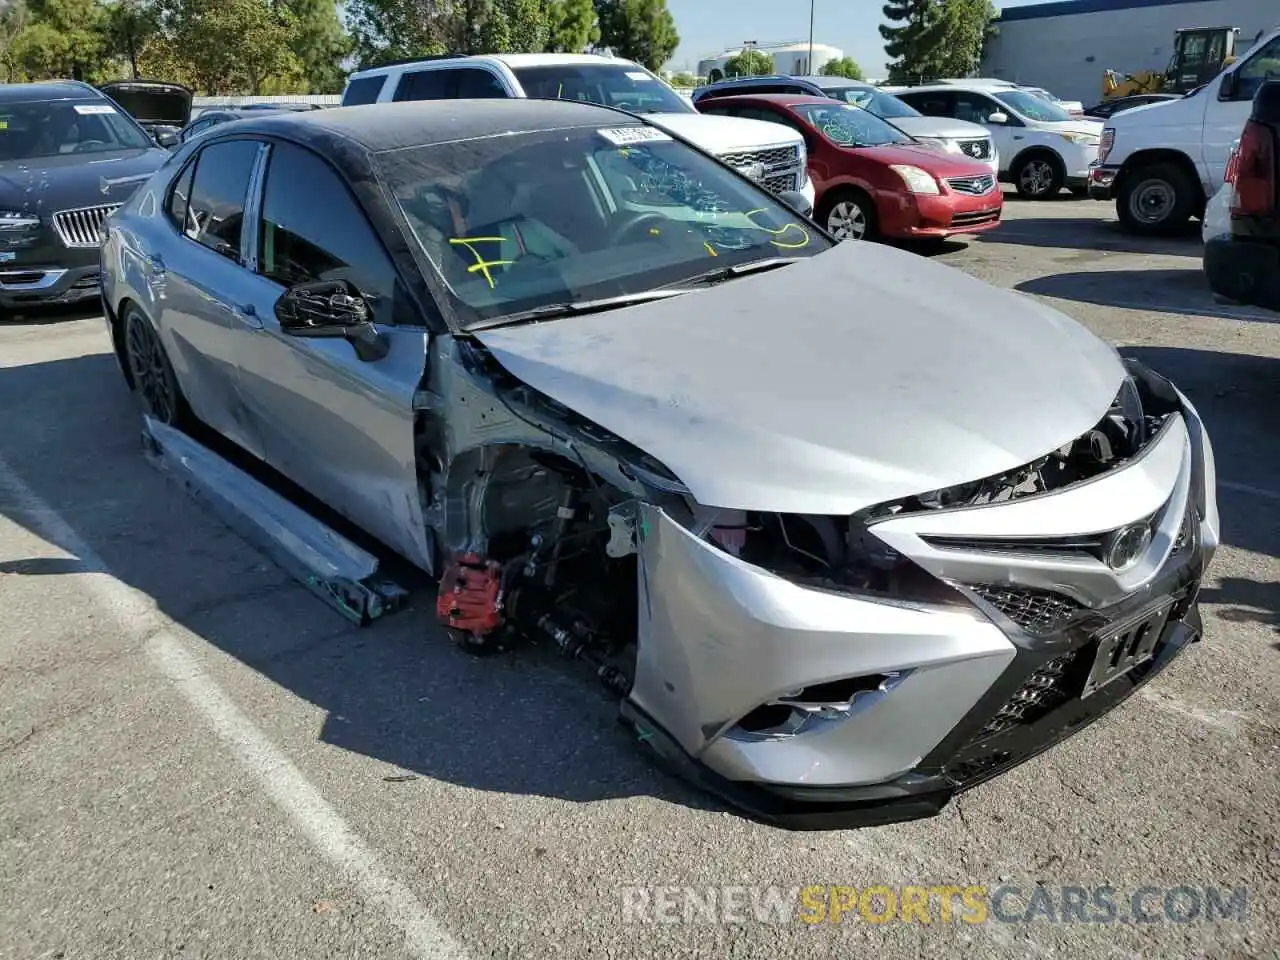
(539, 541)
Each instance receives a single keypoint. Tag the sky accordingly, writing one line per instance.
(708, 27)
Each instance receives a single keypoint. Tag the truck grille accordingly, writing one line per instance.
(974, 186)
(978, 149)
(778, 169)
(82, 227)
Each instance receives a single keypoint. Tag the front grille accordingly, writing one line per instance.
(1055, 683)
(82, 227)
(974, 186)
(1035, 611)
(978, 149)
(780, 183)
(772, 159)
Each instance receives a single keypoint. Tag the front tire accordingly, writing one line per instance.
(849, 216)
(154, 381)
(1156, 200)
(1038, 177)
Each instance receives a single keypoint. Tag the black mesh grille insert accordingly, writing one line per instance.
(1035, 611)
(1053, 684)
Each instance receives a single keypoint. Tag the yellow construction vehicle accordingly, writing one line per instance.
(1199, 54)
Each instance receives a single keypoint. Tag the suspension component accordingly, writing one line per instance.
(470, 597)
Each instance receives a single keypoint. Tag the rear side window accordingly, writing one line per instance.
(179, 196)
(216, 207)
(427, 85)
(476, 84)
(363, 90)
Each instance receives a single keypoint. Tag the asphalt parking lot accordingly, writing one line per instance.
(198, 759)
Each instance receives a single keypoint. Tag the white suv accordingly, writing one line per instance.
(1042, 148)
(772, 154)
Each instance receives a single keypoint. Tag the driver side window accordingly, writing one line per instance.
(1265, 65)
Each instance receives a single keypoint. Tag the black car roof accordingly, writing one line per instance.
(390, 126)
(47, 90)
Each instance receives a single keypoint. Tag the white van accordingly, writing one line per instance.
(770, 153)
(1162, 161)
(1042, 148)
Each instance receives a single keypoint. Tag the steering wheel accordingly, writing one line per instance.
(636, 226)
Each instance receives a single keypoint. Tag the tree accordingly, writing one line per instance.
(639, 30)
(13, 20)
(913, 44)
(230, 46)
(845, 67)
(572, 26)
(60, 39)
(390, 29)
(319, 43)
(749, 63)
(684, 81)
(966, 26)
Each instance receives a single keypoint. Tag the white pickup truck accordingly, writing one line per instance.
(1161, 162)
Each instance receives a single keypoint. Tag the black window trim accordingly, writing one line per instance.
(188, 164)
(194, 160)
(433, 320)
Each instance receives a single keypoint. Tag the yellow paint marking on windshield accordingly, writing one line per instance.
(710, 249)
(781, 231)
(481, 266)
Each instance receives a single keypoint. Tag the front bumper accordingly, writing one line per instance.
(48, 274)
(975, 690)
(1102, 180)
(943, 216)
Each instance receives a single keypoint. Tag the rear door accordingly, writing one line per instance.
(339, 426)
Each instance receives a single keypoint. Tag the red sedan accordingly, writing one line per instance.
(871, 179)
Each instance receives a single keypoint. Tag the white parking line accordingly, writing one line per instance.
(274, 772)
(1245, 488)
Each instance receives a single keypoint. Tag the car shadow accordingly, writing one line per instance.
(396, 691)
(1088, 237)
(1181, 291)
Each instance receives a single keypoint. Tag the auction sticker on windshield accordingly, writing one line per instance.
(638, 76)
(91, 109)
(622, 136)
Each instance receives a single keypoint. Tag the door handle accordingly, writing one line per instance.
(247, 314)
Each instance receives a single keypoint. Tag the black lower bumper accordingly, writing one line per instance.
(925, 792)
(1247, 271)
(49, 273)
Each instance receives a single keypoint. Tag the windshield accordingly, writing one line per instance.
(51, 128)
(848, 126)
(626, 86)
(1031, 106)
(518, 222)
(874, 101)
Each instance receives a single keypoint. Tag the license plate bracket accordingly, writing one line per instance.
(1123, 646)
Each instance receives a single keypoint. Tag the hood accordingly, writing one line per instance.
(940, 128)
(726, 134)
(1175, 112)
(49, 184)
(859, 376)
(151, 101)
(931, 158)
(1083, 125)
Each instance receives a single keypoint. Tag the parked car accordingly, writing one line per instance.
(1041, 147)
(954, 136)
(1160, 163)
(210, 117)
(1242, 257)
(762, 149)
(871, 180)
(1073, 107)
(851, 530)
(1109, 108)
(68, 157)
(162, 109)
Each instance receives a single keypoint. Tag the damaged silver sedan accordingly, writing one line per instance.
(846, 530)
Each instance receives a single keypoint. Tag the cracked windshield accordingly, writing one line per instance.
(580, 214)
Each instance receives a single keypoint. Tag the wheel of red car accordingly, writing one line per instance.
(849, 216)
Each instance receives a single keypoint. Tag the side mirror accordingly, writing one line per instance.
(332, 309)
(1227, 89)
(168, 139)
(998, 117)
(797, 201)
